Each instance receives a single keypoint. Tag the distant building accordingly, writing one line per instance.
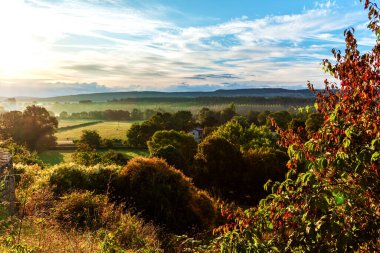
(197, 133)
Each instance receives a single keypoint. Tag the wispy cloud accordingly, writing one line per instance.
(119, 45)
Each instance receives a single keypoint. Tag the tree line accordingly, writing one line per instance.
(211, 100)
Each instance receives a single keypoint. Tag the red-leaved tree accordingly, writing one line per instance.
(330, 201)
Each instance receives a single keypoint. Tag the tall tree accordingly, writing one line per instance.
(330, 201)
(34, 128)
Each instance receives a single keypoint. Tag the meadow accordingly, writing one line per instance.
(73, 122)
(165, 106)
(107, 130)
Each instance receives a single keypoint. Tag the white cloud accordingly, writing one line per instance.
(120, 46)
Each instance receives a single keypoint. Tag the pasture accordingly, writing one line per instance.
(107, 130)
(73, 122)
(53, 157)
(164, 106)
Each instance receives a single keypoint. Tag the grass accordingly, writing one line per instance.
(169, 107)
(53, 157)
(73, 122)
(107, 130)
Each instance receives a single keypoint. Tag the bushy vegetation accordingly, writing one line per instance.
(81, 210)
(161, 192)
(311, 186)
(184, 146)
(139, 134)
(330, 199)
(89, 157)
(218, 165)
(238, 174)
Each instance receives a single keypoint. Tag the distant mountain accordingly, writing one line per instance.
(262, 92)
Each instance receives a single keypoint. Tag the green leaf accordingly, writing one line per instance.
(375, 157)
(346, 142)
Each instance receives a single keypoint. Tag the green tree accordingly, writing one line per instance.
(91, 138)
(219, 166)
(282, 119)
(227, 113)
(63, 115)
(183, 121)
(172, 156)
(314, 122)
(139, 134)
(242, 120)
(261, 164)
(184, 143)
(34, 127)
(262, 117)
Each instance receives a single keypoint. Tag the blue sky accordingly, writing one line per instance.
(58, 47)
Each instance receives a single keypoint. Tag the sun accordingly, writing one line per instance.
(21, 52)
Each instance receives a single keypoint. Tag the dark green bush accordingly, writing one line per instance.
(165, 195)
(172, 156)
(67, 178)
(262, 164)
(70, 177)
(184, 143)
(91, 138)
(20, 153)
(101, 179)
(86, 158)
(113, 157)
(219, 166)
(81, 210)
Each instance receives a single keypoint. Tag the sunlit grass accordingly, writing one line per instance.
(107, 130)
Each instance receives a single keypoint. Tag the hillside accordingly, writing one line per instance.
(262, 92)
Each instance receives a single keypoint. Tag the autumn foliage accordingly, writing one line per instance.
(330, 201)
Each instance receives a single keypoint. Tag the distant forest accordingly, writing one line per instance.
(221, 100)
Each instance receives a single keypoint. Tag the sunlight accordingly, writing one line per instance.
(21, 50)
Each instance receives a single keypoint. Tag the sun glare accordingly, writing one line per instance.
(20, 48)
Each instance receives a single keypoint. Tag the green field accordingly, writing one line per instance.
(53, 157)
(73, 122)
(168, 107)
(107, 130)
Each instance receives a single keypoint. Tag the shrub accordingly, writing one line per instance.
(20, 154)
(219, 165)
(262, 164)
(165, 195)
(184, 143)
(131, 232)
(91, 138)
(101, 179)
(81, 210)
(87, 158)
(113, 157)
(67, 177)
(172, 156)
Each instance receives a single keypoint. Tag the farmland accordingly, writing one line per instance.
(107, 130)
(168, 107)
(73, 122)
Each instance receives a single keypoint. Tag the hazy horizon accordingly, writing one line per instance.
(66, 47)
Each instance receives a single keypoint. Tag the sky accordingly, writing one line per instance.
(62, 47)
